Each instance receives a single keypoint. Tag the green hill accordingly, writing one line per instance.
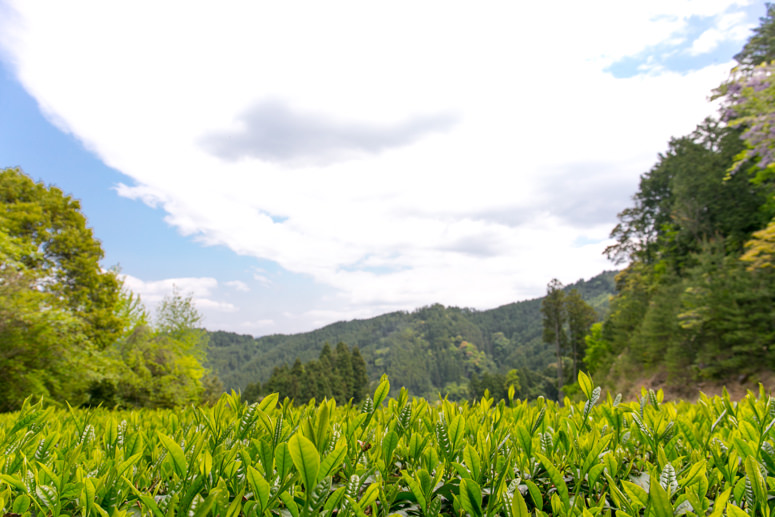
(432, 349)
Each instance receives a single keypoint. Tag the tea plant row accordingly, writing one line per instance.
(398, 456)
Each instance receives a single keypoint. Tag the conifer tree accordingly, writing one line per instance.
(360, 375)
(554, 317)
(581, 316)
(344, 373)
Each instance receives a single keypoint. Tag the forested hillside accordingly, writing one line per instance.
(433, 349)
(697, 299)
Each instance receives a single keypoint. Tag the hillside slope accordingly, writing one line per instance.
(431, 349)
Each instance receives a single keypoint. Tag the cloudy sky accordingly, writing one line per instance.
(291, 164)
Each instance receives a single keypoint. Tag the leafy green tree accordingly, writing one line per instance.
(597, 355)
(554, 318)
(697, 296)
(760, 250)
(512, 379)
(163, 361)
(343, 367)
(581, 316)
(360, 375)
(252, 392)
(279, 381)
(58, 307)
(60, 254)
(686, 199)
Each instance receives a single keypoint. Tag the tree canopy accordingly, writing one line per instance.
(69, 330)
(697, 297)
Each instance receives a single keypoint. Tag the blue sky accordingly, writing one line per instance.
(289, 174)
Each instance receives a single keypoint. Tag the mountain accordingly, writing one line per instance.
(432, 349)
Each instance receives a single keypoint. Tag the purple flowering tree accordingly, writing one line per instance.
(748, 102)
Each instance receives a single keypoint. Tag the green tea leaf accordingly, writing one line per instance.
(518, 505)
(557, 478)
(472, 461)
(535, 494)
(471, 497)
(734, 511)
(306, 459)
(332, 462)
(416, 489)
(382, 391)
(283, 460)
(456, 432)
(259, 486)
(176, 453)
(660, 502)
(585, 383)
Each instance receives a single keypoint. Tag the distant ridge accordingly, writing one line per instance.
(429, 350)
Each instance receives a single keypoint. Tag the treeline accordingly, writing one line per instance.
(339, 374)
(432, 350)
(69, 330)
(697, 299)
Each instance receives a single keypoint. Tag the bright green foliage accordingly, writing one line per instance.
(69, 331)
(760, 250)
(395, 457)
(51, 243)
(581, 316)
(58, 308)
(161, 363)
(598, 353)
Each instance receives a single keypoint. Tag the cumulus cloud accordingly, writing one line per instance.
(273, 131)
(200, 289)
(729, 26)
(376, 172)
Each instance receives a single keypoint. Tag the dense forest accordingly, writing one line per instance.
(697, 298)
(431, 350)
(339, 374)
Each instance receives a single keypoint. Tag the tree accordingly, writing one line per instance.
(60, 254)
(344, 373)
(581, 316)
(597, 355)
(360, 375)
(59, 309)
(554, 317)
(252, 392)
(760, 47)
(163, 361)
(512, 379)
(760, 250)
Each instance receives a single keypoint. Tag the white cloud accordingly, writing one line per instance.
(546, 145)
(207, 304)
(238, 285)
(154, 291)
(199, 289)
(731, 26)
(260, 276)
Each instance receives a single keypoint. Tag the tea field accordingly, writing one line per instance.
(404, 456)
